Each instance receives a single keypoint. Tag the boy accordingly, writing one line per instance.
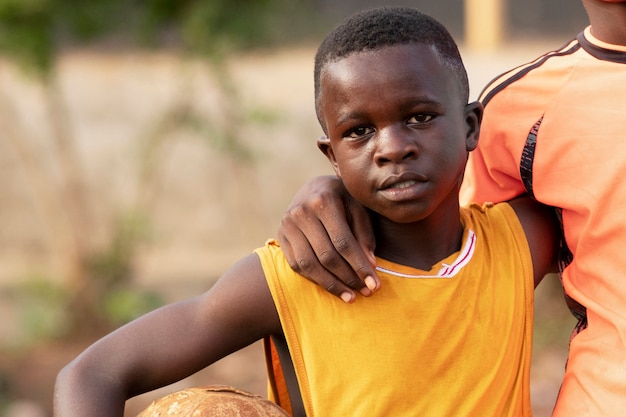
(554, 128)
(391, 96)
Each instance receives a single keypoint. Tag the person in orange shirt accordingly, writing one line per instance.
(553, 129)
(391, 95)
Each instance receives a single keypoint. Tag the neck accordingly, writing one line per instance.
(419, 245)
(608, 20)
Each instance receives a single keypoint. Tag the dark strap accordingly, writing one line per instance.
(528, 158)
(565, 255)
(289, 373)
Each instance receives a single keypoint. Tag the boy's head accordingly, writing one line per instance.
(372, 29)
(391, 96)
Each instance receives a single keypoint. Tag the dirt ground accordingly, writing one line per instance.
(207, 208)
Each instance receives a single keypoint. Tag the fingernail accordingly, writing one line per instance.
(365, 291)
(346, 297)
(370, 283)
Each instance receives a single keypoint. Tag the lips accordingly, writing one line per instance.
(403, 184)
(403, 180)
(407, 186)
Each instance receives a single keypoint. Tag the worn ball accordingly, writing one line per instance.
(213, 401)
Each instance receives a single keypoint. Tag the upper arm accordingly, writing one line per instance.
(491, 174)
(188, 336)
(542, 233)
(172, 342)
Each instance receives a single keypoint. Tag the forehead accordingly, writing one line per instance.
(394, 71)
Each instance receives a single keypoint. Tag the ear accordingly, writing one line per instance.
(325, 146)
(473, 118)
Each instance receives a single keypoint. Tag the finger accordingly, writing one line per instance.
(310, 252)
(361, 226)
(307, 229)
(305, 262)
(326, 255)
(338, 250)
(319, 235)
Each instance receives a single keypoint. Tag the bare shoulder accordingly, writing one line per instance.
(243, 290)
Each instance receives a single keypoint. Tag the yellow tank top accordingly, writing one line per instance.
(452, 341)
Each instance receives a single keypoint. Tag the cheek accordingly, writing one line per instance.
(456, 161)
(448, 159)
(354, 173)
(350, 161)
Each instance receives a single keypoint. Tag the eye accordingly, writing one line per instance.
(420, 119)
(358, 132)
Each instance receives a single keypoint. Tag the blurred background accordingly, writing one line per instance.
(146, 145)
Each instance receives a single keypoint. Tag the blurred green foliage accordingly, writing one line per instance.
(32, 32)
(111, 266)
(123, 305)
(43, 315)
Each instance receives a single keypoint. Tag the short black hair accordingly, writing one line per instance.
(379, 27)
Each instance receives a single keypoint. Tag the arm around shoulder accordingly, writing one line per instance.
(327, 237)
(543, 234)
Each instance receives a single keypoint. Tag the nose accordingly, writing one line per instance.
(395, 145)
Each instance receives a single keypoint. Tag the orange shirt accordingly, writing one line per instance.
(452, 341)
(556, 127)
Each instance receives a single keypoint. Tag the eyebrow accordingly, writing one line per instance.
(409, 104)
(345, 117)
